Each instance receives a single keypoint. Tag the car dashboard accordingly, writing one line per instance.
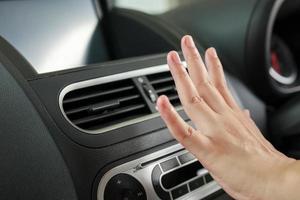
(105, 121)
(89, 128)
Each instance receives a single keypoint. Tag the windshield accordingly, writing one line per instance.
(53, 35)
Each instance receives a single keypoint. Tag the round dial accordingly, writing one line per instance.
(283, 67)
(124, 187)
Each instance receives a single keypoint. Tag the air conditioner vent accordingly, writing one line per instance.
(163, 84)
(100, 106)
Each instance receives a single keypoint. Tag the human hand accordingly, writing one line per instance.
(226, 141)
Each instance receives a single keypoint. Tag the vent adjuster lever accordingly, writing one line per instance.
(150, 93)
(104, 106)
(148, 89)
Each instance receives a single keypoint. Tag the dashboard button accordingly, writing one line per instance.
(186, 158)
(156, 173)
(124, 187)
(195, 184)
(180, 175)
(219, 195)
(169, 164)
(180, 191)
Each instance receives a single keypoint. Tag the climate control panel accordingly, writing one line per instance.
(169, 174)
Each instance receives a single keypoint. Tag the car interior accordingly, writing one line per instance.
(80, 80)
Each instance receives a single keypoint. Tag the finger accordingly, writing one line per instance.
(217, 77)
(195, 107)
(199, 76)
(247, 113)
(193, 57)
(181, 131)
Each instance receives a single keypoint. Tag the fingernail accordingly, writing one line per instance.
(247, 113)
(213, 52)
(189, 42)
(175, 57)
(160, 102)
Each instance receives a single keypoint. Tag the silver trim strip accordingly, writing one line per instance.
(144, 175)
(282, 79)
(107, 79)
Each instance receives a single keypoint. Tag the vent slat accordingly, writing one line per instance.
(107, 115)
(87, 108)
(164, 85)
(162, 80)
(171, 88)
(98, 94)
(96, 107)
(173, 97)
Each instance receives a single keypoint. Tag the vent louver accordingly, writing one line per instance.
(163, 84)
(100, 106)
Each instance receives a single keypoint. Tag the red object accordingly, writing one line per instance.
(275, 62)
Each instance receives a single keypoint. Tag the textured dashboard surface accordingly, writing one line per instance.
(31, 164)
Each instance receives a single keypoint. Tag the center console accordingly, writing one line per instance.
(171, 173)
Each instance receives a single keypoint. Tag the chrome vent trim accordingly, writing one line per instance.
(108, 79)
(103, 105)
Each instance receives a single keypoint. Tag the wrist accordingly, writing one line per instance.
(282, 180)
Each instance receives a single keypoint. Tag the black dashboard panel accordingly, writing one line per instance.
(88, 156)
(81, 161)
(27, 149)
(49, 87)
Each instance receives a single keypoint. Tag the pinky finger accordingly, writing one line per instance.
(192, 140)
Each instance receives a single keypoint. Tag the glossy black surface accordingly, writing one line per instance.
(195, 184)
(179, 192)
(180, 175)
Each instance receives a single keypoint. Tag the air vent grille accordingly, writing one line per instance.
(163, 84)
(100, 106)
